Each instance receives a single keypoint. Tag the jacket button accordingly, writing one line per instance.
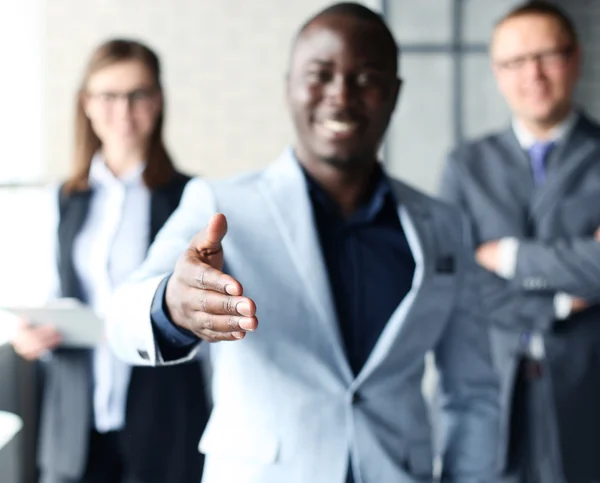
(356, 398)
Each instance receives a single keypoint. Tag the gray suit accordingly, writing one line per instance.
(490, 179)
(287, 406)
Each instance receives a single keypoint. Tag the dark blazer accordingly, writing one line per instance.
(166, 408)
(491, 180)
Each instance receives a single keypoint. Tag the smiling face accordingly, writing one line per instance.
(341, 90)
(123, 103)
(536, 66)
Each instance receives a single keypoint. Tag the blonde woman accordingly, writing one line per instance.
(103, 421)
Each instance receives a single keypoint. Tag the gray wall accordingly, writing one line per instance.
(224, 66)
(449, 93)
(451, 97)
(586, 15)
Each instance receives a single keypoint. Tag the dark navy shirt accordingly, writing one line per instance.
(370, 268)
(369, 262)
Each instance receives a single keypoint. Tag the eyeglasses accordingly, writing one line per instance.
(136, 97)
(546, 58)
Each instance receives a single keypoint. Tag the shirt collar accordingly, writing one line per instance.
(526, 139)
(380, 195)
(101, 175)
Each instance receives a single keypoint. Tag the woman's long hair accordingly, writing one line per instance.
(159, 166)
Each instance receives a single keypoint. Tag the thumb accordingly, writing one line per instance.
(216, 229)
(208, 241)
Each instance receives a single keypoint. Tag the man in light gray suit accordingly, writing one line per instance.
(354, 277)
(532, 194)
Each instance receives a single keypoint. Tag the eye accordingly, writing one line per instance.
(515, 63)
(319, 76)
(139, 95)
(108, 96)
(364, 79)
(555, 56)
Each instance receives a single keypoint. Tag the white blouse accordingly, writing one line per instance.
(110, 246)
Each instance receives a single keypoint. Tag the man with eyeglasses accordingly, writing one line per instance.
(532, 195)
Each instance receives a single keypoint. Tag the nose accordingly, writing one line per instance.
(533, 68)
(340, 91)
(123, 106)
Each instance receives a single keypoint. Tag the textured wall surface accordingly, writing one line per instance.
(224, 65)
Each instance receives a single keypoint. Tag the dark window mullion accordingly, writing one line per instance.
(457, 49)
(457, 73)
(424, 48)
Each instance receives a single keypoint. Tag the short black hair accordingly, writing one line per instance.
(548, 9)
(356, 11)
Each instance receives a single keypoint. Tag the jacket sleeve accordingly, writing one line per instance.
(129, 327)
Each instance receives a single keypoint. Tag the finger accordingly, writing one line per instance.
(225, 323)
(208, 241)
(216, 229)
(44, 345)
(44, 337)
(202, 276)
(47, 332)
(212, 336)
(214, 303)
(53, 341)
(35, 347)
(45, 341)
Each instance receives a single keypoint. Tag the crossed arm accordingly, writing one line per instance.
(566, 266)
(530, 283)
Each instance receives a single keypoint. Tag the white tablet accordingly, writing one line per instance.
(77, 323)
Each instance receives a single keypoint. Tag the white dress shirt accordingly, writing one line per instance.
(111, 244)
(509, 246)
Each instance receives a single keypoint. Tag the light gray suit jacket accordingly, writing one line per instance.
(490, 179)
(287, 406)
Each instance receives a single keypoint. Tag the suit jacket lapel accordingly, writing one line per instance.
(516, 171)
(285, 190)
(573, 156)
(418, 227)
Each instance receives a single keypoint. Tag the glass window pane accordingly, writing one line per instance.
(586, 95)
(480, 16)
(21, 41)
(484, 108)
(26, 254)
(425, 21)
(421, 131)
(586, 23)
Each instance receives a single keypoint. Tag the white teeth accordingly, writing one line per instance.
(339, 126)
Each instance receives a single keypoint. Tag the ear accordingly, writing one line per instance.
(396, 90)
(399, 84)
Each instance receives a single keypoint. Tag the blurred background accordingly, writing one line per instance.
(223, 68)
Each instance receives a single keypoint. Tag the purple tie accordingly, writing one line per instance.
(538, 155)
